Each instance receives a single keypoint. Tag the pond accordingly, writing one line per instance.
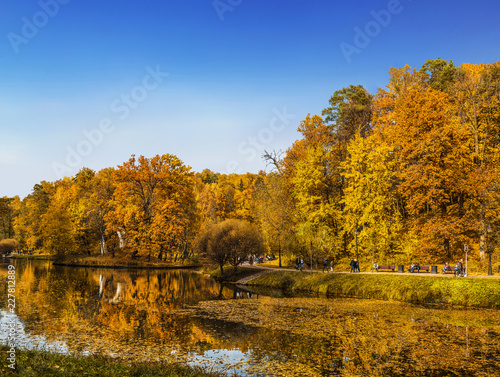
(183, 316)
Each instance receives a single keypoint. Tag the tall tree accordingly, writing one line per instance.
(476, 95)
(150, 191)
(371, 199)
(274, 210)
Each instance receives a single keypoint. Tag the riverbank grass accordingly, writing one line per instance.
(40, 363)
(484, 293)
(34, 256)
(123, 261)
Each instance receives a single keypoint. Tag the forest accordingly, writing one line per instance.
(410, 172)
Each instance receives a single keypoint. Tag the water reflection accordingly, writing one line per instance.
(187, 317)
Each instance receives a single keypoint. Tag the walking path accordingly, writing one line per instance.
(245, 281)
(265, 270)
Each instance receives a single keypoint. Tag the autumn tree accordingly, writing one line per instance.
(6, 218)
(58, 231)
(371, 202)
(96, 195)
(149, 194)
(476, 95)
(8, 245)
(230, 241)
(31, 211)
(274, 211)
(430, 148)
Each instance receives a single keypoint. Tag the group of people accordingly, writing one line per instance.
(414, 267)
(260, 259)
(354, 265)
(325, 265)
(459, 269)
(299, 264)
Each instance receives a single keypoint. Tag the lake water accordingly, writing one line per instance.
(183, 316)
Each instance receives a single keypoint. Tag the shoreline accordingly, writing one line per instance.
(126, 267)
(474, 292)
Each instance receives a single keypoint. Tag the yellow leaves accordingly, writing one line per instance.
(370, 197)
(404, 80)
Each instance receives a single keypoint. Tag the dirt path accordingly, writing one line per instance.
(245, 281)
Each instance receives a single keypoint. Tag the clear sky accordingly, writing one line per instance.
(89, 83)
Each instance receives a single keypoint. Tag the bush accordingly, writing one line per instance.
(230, 241)
(8, 246)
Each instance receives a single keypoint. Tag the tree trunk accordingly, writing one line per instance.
(482, 243)
(482, 234)
(447, 248)
(279, 251)
(104, 249)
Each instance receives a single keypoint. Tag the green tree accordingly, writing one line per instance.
(440, 73)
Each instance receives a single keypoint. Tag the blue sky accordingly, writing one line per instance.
(89, 83)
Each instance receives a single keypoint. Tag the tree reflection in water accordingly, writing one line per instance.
(187, 317)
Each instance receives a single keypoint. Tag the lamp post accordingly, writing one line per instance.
(356, 235)
(489, 250)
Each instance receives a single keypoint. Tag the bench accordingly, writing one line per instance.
(450, 270)
(386, 267)
(422, 268)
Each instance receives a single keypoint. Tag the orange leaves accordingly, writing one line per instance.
(154, 201)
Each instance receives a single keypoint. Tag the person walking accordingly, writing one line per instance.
(301, 263)
(353, 265)
(356, 265)
(325, 265)
(331, 266)
(459, 268)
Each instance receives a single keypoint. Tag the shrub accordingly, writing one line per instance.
(8, 245)
(230, 241)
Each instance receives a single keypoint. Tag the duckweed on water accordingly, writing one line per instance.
(373, 338)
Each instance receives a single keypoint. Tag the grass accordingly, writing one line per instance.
(35, 256)
(40, 363)
(123, 261)
(484, 293)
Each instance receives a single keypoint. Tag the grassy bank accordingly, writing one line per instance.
(483, 293)
(38, 363)
(36, 256)
(122, 261)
